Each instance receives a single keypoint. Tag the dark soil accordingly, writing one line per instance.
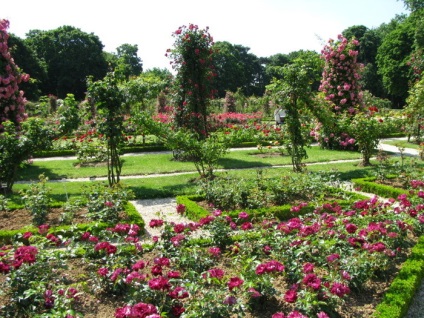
(17, 219)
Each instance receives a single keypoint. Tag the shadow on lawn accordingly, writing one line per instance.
(357, 173)
(230, 163)
(32, 172)
(141, 192)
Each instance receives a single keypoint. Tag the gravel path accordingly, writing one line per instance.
(164, 209)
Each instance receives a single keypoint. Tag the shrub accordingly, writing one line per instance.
(37, 200)
(105, 203)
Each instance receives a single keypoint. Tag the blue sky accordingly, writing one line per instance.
(267, 27)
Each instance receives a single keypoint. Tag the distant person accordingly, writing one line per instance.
(280, 115)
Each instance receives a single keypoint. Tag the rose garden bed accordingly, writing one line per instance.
(330, 260)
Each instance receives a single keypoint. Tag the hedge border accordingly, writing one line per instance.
(400, 295)
(369, 185)
(7, 236)
(283, 212)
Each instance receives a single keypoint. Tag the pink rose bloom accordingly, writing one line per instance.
(243, 215)
(290, 296)
(235, 282)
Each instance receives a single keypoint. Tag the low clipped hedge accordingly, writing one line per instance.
(7, 236)
(192, 210)
(68, 152)
(401, 293)
(283, 212)
(369, 185)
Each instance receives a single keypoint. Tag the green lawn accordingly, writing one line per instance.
(402, 143)
(173, 185)
(241, 163)
(163, 163)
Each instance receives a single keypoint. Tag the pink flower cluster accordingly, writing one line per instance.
(12, 100)
(236, 118)
(22, 255)
(269, 267)
(106, 246)
(129, 229)
(140, 310)
(341, 75)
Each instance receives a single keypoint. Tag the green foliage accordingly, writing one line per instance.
(25, 57)
(414, 5)
(393, 58)
(4, 203)
(192, 210)
(369, 100)
(203, 152)
(128, 63)
(367, 185)
(109, 101)
(237, 69)
(37, 200)
(231, 193)
(414, 111)
(133, 215)
(68, 231)
(401, 292)
(105, 203)
(367, 130)
(192, 59)
(71, 55)
(89, 151)
(68, 115)
(39, 133)
(294, 92)
(138, 91)
(15, 148)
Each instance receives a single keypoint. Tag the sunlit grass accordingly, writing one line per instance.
(139, 172)
(148, 163)
(403, 144)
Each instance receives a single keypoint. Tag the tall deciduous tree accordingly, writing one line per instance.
(128, 62)
(414, 111)
(27, 60)
(369, 41)
(393, 61)
(236, 69)
(70, 55)
(414, 5)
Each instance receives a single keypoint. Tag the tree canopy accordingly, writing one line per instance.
(70, 55)
(237, 69)
(393, 56)
(128, 62)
